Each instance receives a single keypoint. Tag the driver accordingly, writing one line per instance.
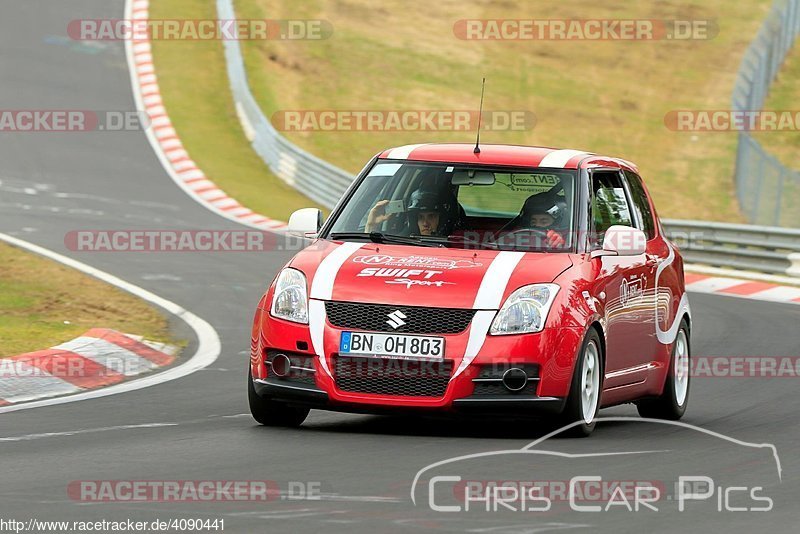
(429, 213)
(545, 212)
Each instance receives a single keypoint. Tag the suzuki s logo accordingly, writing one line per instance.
(396, 319)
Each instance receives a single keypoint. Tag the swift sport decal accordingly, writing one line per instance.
(407, 277)
(419, 262)
(408, 282)
(488, 301)
(668, 337)
(321, 290)
(398, 273)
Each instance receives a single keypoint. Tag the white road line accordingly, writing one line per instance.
(208, 343)
(30, 437)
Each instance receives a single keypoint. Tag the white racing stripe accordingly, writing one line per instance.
(402, 152)
(667, 337)
(559, 158)
(487, 301)
(322, 290)
(495, 280)
(322, 285)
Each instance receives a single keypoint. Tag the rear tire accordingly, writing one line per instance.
(583, 402)
(273, 413)
(671, 404)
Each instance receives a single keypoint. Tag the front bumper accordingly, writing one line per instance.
(312, 397)
(552, 352)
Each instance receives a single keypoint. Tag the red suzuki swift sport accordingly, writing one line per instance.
(510, 280)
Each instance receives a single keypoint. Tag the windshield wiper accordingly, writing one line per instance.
(460, 240)
(380, 237)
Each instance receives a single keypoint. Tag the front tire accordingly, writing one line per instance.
(273, 413)
(583, 402)
(671, 405)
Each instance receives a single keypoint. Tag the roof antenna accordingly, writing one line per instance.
(477, 149)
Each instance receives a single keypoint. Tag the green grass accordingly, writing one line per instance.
(783, 96)
(784, 144)
(45, 303)
(194, 85)
(607, 97)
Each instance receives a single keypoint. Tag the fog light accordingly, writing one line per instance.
(515, 379)
(281, 365)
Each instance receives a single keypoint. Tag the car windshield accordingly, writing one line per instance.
(461, 206)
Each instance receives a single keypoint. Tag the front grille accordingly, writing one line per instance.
(411, 378)
(418, 320)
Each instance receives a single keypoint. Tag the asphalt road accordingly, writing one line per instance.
(197, 428)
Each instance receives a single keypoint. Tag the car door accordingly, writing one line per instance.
(656, 252)
(625, 281)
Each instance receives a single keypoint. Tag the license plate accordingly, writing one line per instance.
(392, 345)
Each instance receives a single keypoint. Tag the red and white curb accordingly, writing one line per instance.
(99, 358)
(162, 135)
(749, 289)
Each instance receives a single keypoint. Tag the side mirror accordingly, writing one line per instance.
(305, 222)
(622, 241)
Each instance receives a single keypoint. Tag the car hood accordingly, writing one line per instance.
(422, 276)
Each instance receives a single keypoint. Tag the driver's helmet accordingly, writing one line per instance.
(544, 203)
(427, 200)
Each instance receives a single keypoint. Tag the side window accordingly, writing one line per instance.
(641, 204)
(609, 203)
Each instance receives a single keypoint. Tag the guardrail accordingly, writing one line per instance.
(764, 249)
(768, 191)
(317, 179)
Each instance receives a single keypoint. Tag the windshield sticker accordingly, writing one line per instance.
(535, 180)
(415, 262)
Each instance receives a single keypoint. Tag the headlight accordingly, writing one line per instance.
(290, 300)
(525, 310)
